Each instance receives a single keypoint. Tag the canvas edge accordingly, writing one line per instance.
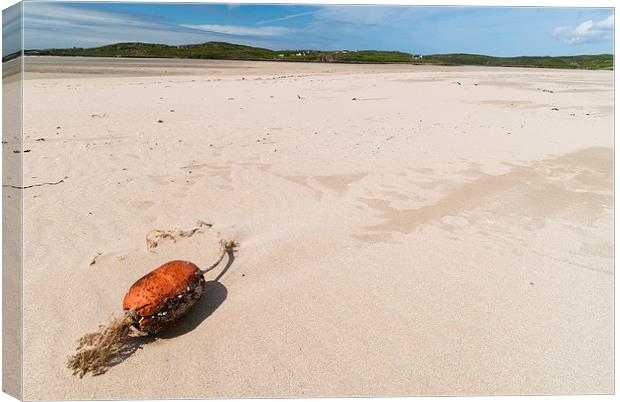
(12, 203)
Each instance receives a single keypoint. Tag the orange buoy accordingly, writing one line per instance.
(152, 304)
(164, 295)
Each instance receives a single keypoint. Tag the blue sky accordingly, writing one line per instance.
(485, 30)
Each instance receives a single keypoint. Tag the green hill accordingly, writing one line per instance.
(209, 50)
(600, 61)
(223, 50)
(230, 51)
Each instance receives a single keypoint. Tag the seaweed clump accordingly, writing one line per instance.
(96, 351)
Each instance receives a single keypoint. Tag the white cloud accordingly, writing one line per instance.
(64, 25)
(57, 15)
(241, 30)
(287, 17)
(55, 25)
(587, 31)
(607, 23)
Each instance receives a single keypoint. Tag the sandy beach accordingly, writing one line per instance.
(402, 230)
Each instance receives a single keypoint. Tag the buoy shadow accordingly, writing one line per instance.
(213, 297)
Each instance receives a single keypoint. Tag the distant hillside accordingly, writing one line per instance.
(591, 62)
(222, 50)
(11, 56)
(230, 51)
(209, 50)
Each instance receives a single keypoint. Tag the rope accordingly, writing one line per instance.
(226, 246)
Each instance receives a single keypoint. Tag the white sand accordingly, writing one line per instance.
(425, 238)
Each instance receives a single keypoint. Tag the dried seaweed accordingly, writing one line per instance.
(94, 260)
(36, 185)
(97, 350)
(155, 235)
